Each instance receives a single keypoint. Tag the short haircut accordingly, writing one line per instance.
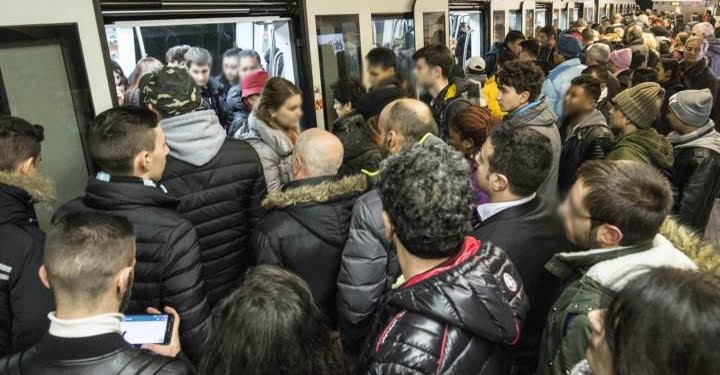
(522, 155)
(591, 85)
(531, 46)
(19, 140)
(589, 34)
(599, 52)
(176, 53)
(633, 33)
(118, 135)
(641, 75)
(513, 36)
(672, 65)
(383, 57)
(706, 29)
(198, 56)
(313, 147)
(250, 53)
(84, 251)
(522, 76)
(631, 195)
(232, 53)
(549, 31)
(411, 124)
(425, 189)
(437, 55)
(638, 59)
(348, 90)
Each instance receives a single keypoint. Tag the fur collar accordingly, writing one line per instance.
(703, 254)
(39, 187)
(319, 193)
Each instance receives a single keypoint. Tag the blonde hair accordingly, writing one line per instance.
(650, 41)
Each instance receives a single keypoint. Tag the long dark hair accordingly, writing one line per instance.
(270, 325)
(665, 322)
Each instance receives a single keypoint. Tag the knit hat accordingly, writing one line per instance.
(692, 107)
(568, 46)
(374, 101)
(171, 91)
(252, 84)
(640, 104)
(621, 58)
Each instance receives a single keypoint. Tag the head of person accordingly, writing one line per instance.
(637, 107)
(529, 50)
(347, 93)
(667, 69)
(464, 27)
(513, 162)
(170, 92)
(589, 36)
(475, 66)
(403, 123)
(566, 48)
(582, 96)
(76, 267)
(381, 66)
(602, 74)
(231, 64)
(689, 110)
(512, 41)
(632, 34)
(144, 67)
(695, 49)
(280, 104)
(20, 146)
(270, 325)
(703, 30)
(316, 153)
(650, 41)
(617, 19)
(372, 103)
(252, 85)
(128, 141)
(248, 62)
(664, 321)
(641, 75)
(597, 54)
(469, 129)
(519, 84)
(433, 64)
(546, 36)
(199, 62)
(615, 203)
(119, 78)
(175, 56)
(427, 198)
(620, 60)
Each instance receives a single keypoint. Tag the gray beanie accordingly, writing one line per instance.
(692, 107)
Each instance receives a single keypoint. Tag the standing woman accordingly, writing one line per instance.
(143, 68)
(273, 129)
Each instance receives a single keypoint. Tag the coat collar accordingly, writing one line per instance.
(38, 187)
(318, 190)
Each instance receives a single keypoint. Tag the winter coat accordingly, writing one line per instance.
(558, 82)
(456, 96)
(220, 185)
(539, 117)
(646, 146)
(210, 97)
(530, 234)
(696, 175)
(236, 112)
(697, 77)
(713, 55)
(306, 230)
(461, 40)
(604, 106)
(490, 91)
(275, 151)
(457, 318)
(591, 279)
(638, 46)
(24, 300)
(547, 54)
(168, 270)
(497, 53)
(359, 150)
(222, 87)
(671, 87)
(589, 139)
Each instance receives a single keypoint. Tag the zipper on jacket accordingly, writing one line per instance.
(442, 350)
(387, 330)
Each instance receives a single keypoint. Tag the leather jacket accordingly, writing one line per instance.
(589, 139)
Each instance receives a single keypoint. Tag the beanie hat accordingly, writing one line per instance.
(252, 84)
(692, 107)
(374, 101)
(171, 91)
(568, 46)
(621, 58)
(640, 104)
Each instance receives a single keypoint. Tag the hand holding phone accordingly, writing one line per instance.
(173, 348)
(147, 329)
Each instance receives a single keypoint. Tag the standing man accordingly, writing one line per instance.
(236, 108)
(175, 56)
(568, 66)
(695, 72)
(547, 38)
(462, 38)
(227, 79)
(706, 31)
(199, 62)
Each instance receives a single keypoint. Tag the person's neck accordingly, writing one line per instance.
(520, 108)
(87, 310)
(683, 129)
(439, 85)
(412, 266)
(504, 196)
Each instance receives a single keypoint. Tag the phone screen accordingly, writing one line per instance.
(145, 329)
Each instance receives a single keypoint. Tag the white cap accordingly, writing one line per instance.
(475, 63)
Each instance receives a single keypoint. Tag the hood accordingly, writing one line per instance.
(38, 187)
(121, 196)
(714, 46)
(537, 113)
(705, 137)
(194, 137)
(323, 205)
(595, 118)
(705, 257)
(18, 193)
(478, 291)
(275, 139)
(649, 142)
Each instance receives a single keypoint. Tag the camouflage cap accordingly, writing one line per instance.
(171, 90)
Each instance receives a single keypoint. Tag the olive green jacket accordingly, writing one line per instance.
(646, 146)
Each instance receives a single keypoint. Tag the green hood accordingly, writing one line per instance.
(645, 145)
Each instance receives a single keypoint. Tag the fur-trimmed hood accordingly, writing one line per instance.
(684, 239)
(317, 190)
(38, 187)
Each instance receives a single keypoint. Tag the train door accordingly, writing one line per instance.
(52, 73)
(543, 14)
(476, 16)
(528, 12)
(340, 33)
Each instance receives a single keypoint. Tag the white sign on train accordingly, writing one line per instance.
(337, 41)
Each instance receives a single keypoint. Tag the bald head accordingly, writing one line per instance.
(408, 120)
(317, 153)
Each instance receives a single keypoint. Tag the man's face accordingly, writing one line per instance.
(483, 175)
(424, 75)
(694, 51)
(577, 102)
(542, 38)
(159, 155)
(230, 69)
(598, 352)
(576, 218)
(377, 74)
(248, 65)
(674, 121)
(509, 99)
(200, 73)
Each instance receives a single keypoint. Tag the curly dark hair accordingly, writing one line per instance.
(522, 155)
(425, 189)
(348, 90)
(19, 140)
(522, 76)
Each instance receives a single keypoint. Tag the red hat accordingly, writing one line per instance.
(252, 84)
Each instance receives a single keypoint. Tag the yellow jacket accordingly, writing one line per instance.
(490, 92)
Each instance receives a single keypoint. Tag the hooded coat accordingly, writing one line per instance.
(359, 150)
(558, 82)
(220, 185)
(457, 318)
(646, 146)
(713, 55)
(24, 300)
(589, 139)
(306, 231)
(274, 149)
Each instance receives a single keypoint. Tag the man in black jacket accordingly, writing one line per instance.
(308, 226)
(512, 165)
(695, 72)
(91, 289)
(199, 65)
(24, 301)
(462, 301)
(129, 148)
(696, 171)
(219, 181)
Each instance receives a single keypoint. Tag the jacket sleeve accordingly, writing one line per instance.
(271, 166)
(599, 146)
(259, 190)
(573, 345)
(184, 289)
(264, 249)
(550, 92)
(696, 194)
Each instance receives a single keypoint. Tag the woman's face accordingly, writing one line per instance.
(598, 351)
(342, 109)
(289, 114)
(118, 78)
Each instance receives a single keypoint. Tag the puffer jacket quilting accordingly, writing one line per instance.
(274, 149)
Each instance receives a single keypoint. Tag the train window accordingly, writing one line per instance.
(499, 29)
(434, 28)
(397, 32)
(515, 20)
(529, 22)
(43, 80)
(556, 18)
(541, 16)
(563, 19)
(338, 39)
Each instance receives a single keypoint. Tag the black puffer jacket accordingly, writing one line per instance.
(24, 300)
(697, 77)
(457, 318)
(307, 230)
(456, 96)
(589, 139)
(168, 270)
(220, 184)
(360, 151)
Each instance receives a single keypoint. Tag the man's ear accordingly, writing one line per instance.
(389, 229)
(499, 182)
(296, 164)
(123, 279)
(525, 96)
(26, 166)
(609, 235)
(42, 273)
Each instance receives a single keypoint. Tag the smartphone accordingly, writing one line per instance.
(147, 329)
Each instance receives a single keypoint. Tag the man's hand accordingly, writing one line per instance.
(173, 348)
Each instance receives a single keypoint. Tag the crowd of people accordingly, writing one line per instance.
(539, 211)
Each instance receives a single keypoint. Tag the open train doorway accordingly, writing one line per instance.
(469, 29)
